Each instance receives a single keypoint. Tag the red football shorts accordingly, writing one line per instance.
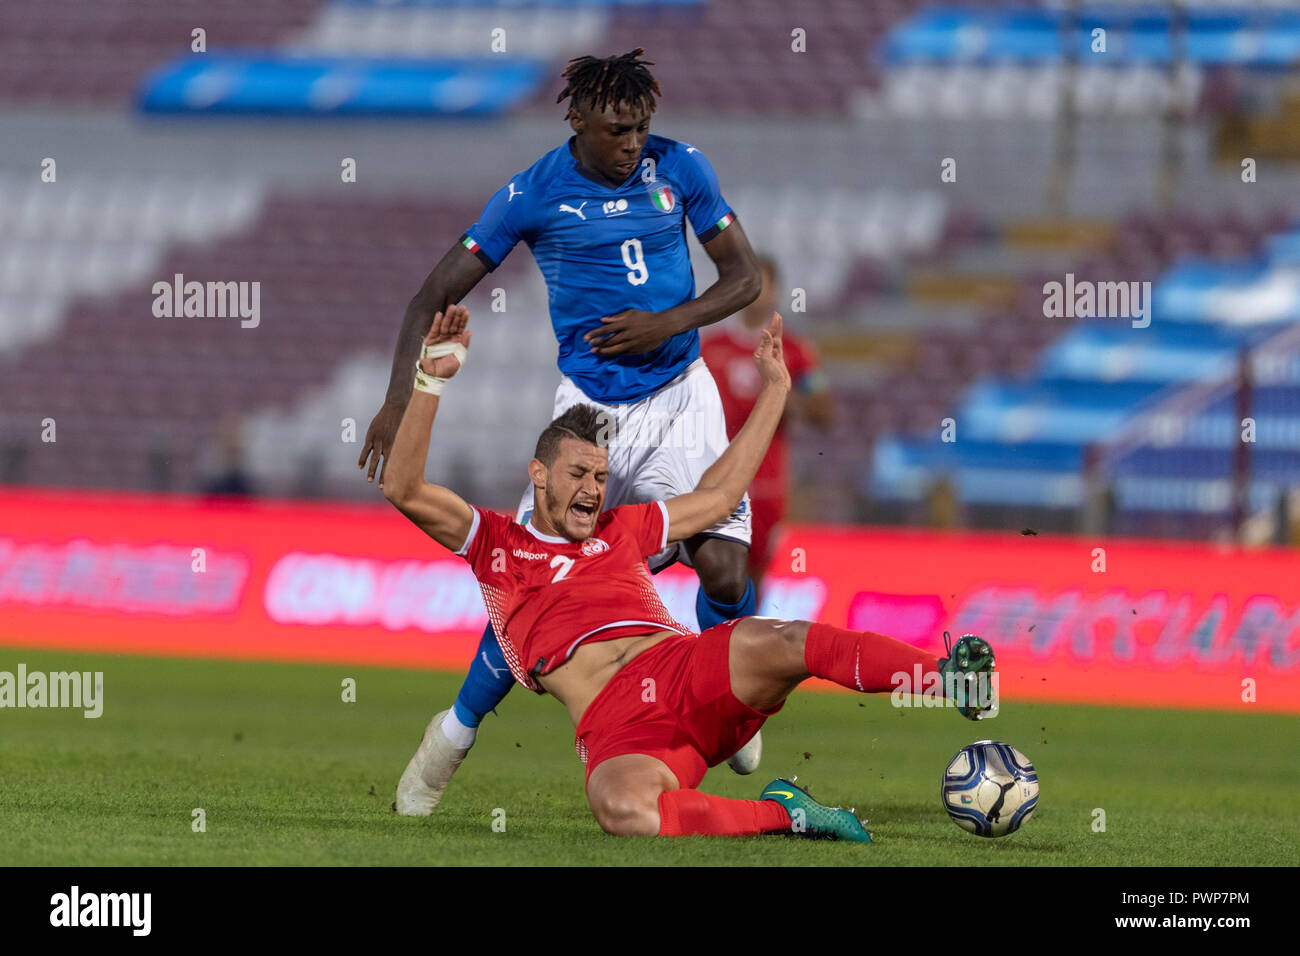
(672, 702)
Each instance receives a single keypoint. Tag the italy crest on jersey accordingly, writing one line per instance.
(663, 198)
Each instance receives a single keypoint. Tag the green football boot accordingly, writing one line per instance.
(810, 819)
(971, 655)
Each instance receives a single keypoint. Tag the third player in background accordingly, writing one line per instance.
(728, 350)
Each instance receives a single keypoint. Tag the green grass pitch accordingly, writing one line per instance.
(288, 773)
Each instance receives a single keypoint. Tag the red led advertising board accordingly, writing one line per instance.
(1071, 619)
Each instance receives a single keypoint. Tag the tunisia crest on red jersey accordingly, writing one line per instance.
(592, 547)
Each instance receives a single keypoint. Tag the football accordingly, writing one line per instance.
(989, 788)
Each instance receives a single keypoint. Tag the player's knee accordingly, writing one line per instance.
(793, 636)
(624, 812)
(723, 569)
(779, 644)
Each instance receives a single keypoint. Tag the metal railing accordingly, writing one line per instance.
(1168, 419)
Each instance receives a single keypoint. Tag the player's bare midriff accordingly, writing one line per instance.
(577, 681)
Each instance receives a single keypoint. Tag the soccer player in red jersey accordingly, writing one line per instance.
(571, 599)
(729, 353)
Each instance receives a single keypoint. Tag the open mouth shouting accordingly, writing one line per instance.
(583, 512)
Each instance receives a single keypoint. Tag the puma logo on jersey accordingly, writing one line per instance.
(565, 207)
(513, 193)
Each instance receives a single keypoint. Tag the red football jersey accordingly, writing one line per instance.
(546, 595)
(729, 354)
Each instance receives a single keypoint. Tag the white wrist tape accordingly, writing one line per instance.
(424, 382)
(446, 348)
(433, 384)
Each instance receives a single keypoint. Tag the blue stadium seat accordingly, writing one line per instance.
(1144, 34)
(1025, 442)
(262, 83)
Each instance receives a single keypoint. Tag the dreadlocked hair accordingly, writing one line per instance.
(597, 83)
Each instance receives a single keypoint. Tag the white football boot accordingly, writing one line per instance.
(745, 760)
(429, 771)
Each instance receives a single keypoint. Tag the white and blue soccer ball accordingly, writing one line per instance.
(990, 788)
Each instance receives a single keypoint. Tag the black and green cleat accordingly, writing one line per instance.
(967, 673)
(810, 819)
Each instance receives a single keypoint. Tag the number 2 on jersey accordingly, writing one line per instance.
(634, 260)
(564, 564)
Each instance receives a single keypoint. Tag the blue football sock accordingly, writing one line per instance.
(709, 612)
(487, 683)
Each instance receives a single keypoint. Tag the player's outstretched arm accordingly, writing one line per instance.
(723, 485)
(439, 512)
(450, 281)
(739, 280)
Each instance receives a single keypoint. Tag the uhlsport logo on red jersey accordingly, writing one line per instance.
(593, 546)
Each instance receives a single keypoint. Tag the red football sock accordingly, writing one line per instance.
(692, 813)
(862, 660)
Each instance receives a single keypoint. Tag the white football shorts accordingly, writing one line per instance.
(662, 445)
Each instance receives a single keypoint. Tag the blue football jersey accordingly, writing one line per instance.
(603, 249)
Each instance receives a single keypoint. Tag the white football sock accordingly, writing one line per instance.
(460, 736)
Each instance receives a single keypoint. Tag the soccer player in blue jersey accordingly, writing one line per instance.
(605, 216)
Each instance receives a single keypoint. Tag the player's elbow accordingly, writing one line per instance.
(424, 304)
(749, 281)
(430, 299)
(398, 492)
